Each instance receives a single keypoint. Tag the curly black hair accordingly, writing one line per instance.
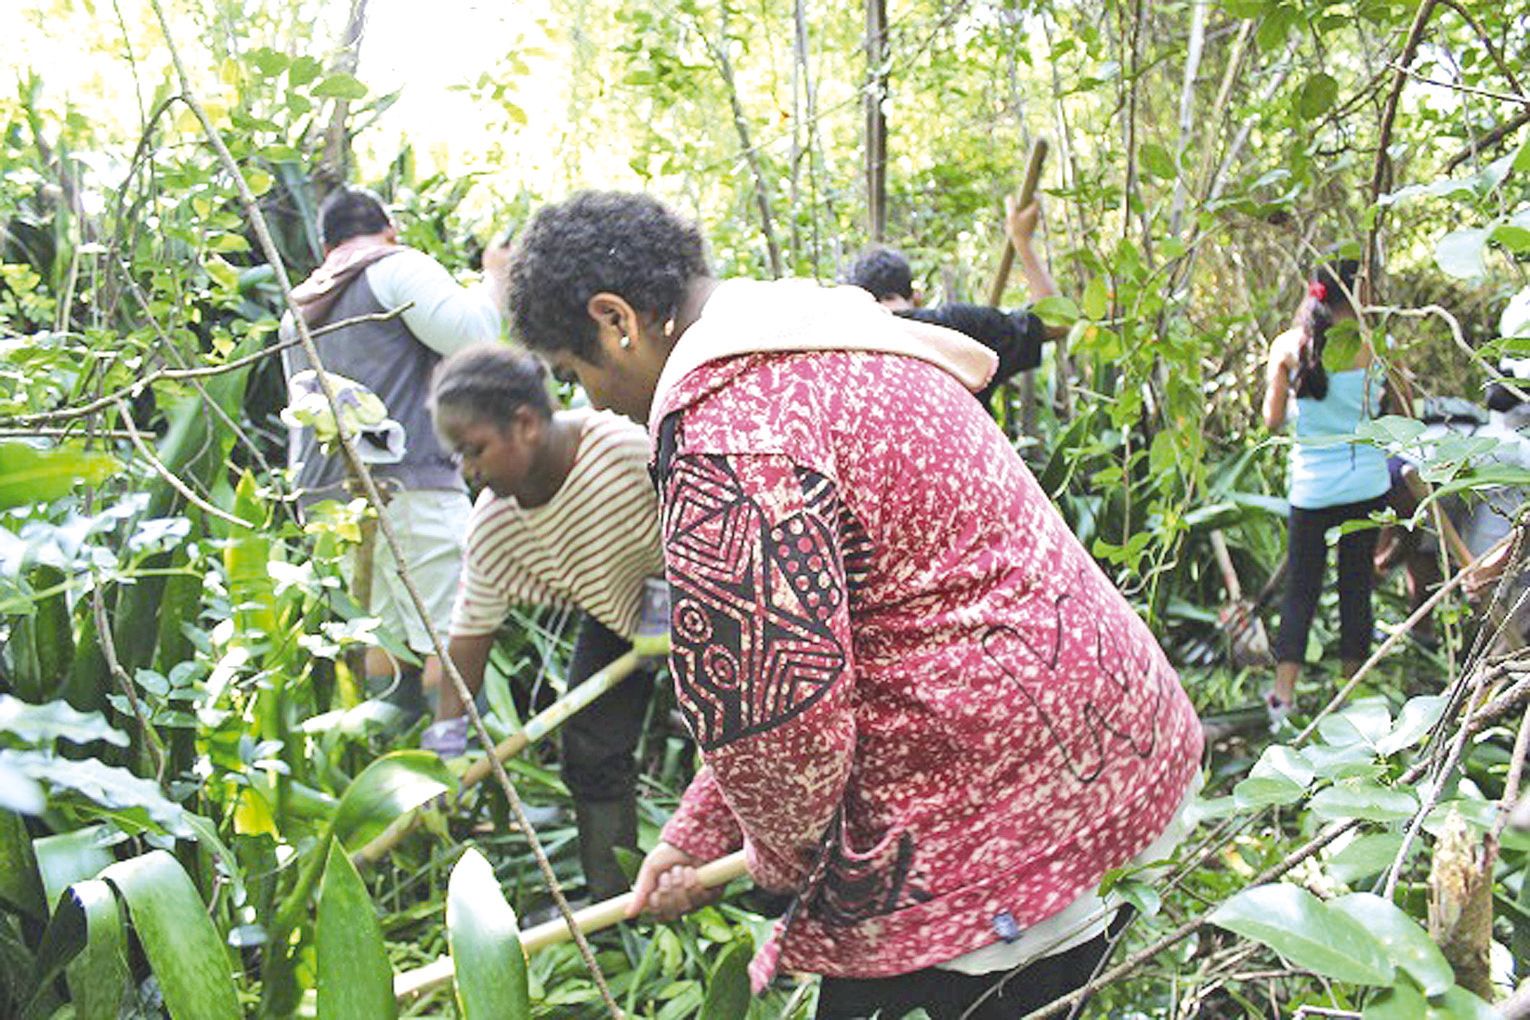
(489, 382)
(883, 271)
(625, 243)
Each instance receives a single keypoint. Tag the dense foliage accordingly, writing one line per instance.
(186, 764)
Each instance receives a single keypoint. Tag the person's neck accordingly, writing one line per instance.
(554, 461)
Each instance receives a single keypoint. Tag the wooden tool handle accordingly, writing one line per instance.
(1027, 193)
(1224, 560)
(413, 983)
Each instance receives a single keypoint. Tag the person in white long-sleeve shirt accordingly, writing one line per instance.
(367, 272)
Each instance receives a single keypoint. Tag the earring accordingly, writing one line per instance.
(669, 327)
(626, 341)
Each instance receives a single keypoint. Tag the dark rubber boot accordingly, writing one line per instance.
(602, 825)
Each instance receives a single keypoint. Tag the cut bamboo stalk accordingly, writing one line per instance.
(536, 729)
(596, 917)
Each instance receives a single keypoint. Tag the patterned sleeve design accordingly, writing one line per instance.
(761, 646)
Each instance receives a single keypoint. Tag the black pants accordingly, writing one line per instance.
(599, 742)
(949, 994)
(1307, 561)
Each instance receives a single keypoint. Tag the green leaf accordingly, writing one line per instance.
(70, 857)
(1405, 942)
(391, 785)
(30, 475)
(41, 725)
(99, 977)
(303, 70)
(1317, 96)
(1296, 924)
(485, 944)
(20, 885)
(355, 979)
(340, 86)
(1367, 855)
(1512, 237)
(1157, 160)
(728, 988)
(1403, 1003)
(177, 936)
(116, 790)
(1096, 298)
(1365, 722)
(1280, 776)
(1056, 310)
(1369, 801)
(19, 792)
(1522, 158)
(1417, 717)
(1459, 253)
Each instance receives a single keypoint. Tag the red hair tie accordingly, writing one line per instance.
(1317, 291)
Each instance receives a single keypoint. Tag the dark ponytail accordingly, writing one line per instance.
(1328, 295)
(489, 382)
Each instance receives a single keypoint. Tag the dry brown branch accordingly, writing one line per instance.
(114, 666)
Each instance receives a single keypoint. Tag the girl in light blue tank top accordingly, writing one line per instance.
(1331, 481)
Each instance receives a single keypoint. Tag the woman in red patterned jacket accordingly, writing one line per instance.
(922, 708)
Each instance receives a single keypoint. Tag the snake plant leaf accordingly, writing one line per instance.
(485, 943)
(355, 979)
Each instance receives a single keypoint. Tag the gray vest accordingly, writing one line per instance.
(387, 359)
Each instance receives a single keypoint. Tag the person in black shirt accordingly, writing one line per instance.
(1016, 337)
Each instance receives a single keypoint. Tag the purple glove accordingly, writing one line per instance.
(448, 738)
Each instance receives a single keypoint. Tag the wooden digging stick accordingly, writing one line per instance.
(536, 728)
(413, 983)
(1027, 193)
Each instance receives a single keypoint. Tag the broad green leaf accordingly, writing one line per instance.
(99, 976)
(116, 792)
(340, 86)
(1280, 776)
(1515, 319)
(1366, 856)
(1355, 761)
(1403, 1003)
(19, 792)
(32, 475)
(1406, 943)
(1365, 722)
(355, 980)
(728, 988)
(1459, 253)
(1297, 925)
(1056, 310)
(1512, 237)
(182, 946)
(485, 944)
(1417, 717)
(41, 725)
(391, 785)
(1317, 95)
(20, 886)
(1369, 801)
(70, 857)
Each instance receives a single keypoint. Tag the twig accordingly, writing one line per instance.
(170, 476)
(56, 433)
(363, 473)
(1384, 141)
(1488, 140)
(1511, 797)
(1502, 97)
(109, 653)
(136, 387)
(1487, 43)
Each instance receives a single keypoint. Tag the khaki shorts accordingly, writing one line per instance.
(431, 525)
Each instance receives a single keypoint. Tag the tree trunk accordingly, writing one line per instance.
(334, 163)
(1461, 906)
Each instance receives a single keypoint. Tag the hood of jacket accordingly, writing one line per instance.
(316, 296)
(784, 316)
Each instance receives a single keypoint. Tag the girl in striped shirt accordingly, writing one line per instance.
(567, 516)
